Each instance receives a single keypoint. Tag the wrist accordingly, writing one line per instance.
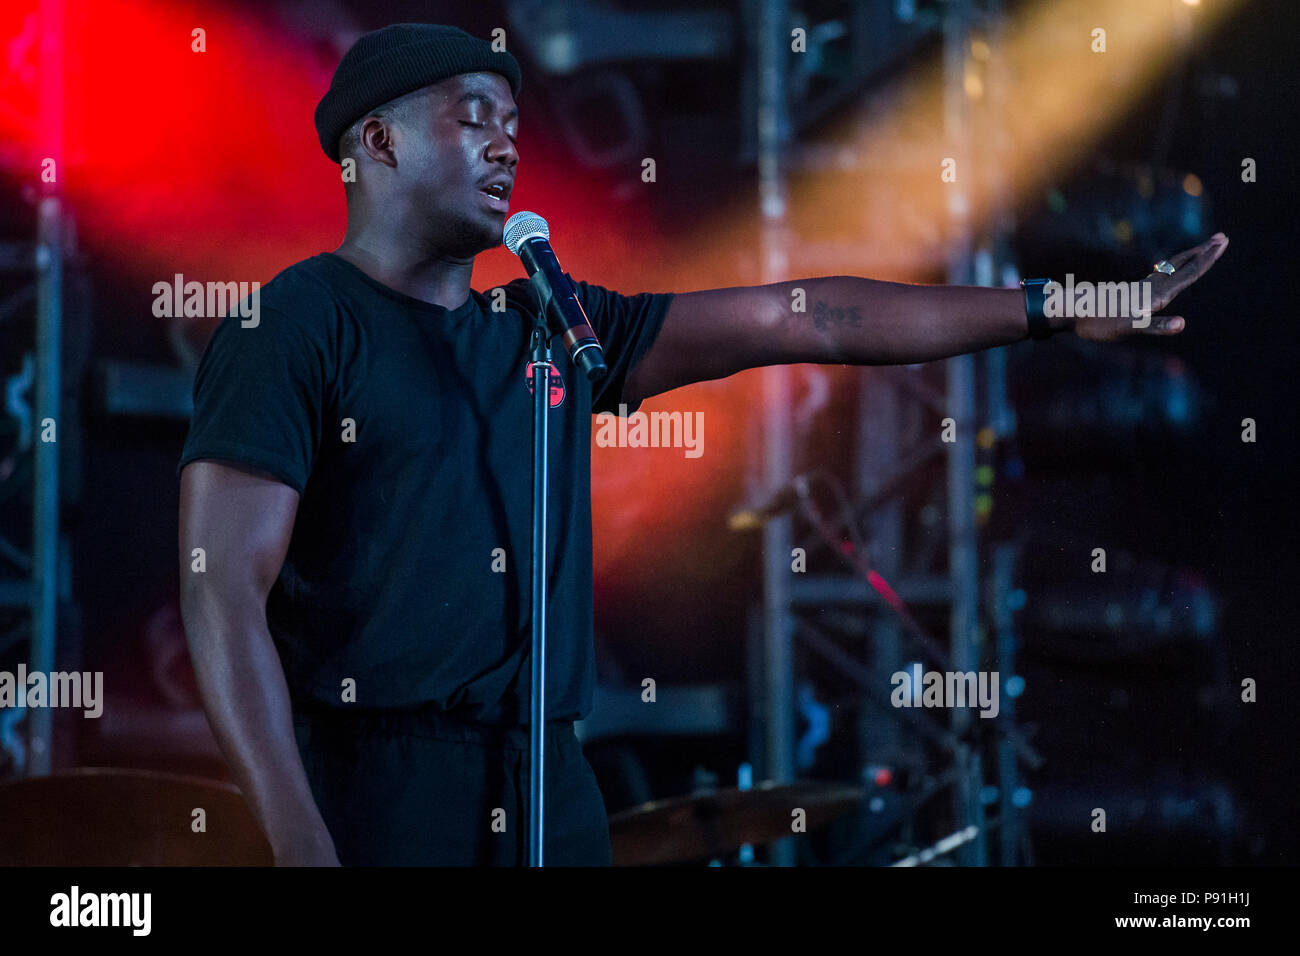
(301, 847)
(1042, 322)
(298, 830)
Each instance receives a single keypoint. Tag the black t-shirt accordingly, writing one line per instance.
(407, 430)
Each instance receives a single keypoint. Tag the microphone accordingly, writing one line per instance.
(779, 503)
(528, 237)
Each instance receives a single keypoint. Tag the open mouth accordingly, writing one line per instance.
(497, 194)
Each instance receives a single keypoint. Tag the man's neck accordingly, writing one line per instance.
(406, 267)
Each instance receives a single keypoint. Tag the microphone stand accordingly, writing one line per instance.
(541, 359)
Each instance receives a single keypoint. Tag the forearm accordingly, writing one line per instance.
(837, 320)
(244, 693)
(857, 321)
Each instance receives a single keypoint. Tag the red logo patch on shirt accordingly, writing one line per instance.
(557, 384)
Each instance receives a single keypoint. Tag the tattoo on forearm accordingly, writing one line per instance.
(825, 315)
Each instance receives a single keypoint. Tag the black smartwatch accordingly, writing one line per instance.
(1035, 301)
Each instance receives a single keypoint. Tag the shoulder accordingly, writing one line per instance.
(294, 316)
(303, 291)
(300, 307)
(520, 296)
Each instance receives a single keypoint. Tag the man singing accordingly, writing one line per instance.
(357, 475)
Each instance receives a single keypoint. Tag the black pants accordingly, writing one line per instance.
(424, 790)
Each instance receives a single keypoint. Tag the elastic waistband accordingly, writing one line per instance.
(436, 725)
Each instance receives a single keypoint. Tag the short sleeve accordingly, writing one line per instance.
(259, 396)
(627, 327)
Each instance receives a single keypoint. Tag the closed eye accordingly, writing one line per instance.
(513, 140)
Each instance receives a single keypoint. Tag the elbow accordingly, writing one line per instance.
(211, 606)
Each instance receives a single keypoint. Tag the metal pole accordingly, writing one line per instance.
(45, 494)
(49, 381)
(770, 33)
(1001, 418)
(962, 542)
(541, 357)
(880, 444)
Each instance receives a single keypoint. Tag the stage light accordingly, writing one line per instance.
(1040, 91)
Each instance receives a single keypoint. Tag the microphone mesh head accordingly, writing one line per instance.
(524, 225)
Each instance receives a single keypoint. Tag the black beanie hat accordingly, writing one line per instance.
(399, 59)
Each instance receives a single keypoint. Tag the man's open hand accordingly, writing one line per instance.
(1189, 266)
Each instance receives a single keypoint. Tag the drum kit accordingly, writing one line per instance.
(712, 825)
(716, 823)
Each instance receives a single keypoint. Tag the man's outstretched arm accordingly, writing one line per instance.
(243, 522)
(844, 320)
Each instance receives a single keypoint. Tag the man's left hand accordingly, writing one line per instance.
(1189, 266)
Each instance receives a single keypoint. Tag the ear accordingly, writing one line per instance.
(377, 140)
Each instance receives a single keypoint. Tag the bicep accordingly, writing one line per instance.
(241, 519)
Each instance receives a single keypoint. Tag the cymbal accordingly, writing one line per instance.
(717, 822)
(111, 817)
